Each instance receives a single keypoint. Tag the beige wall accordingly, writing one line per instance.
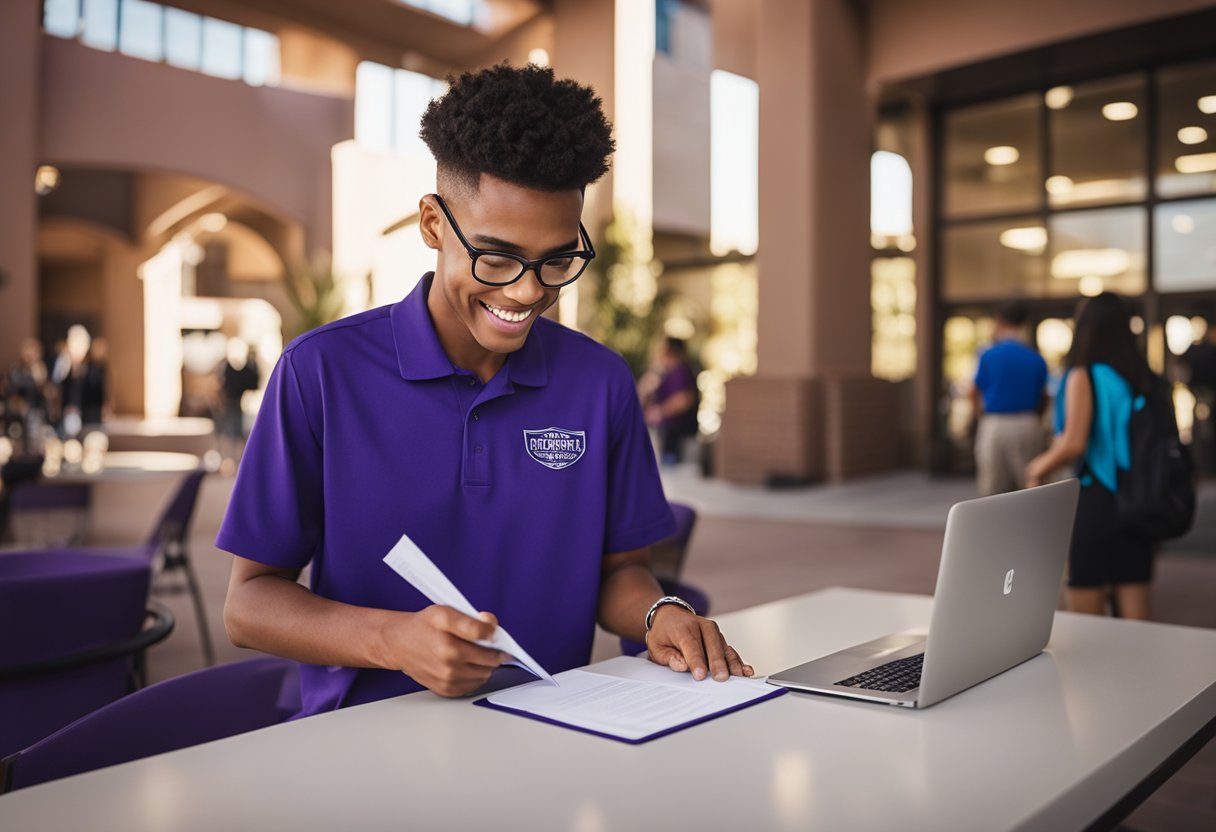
(910, 38)
(19, 56)
(109, 110)
(583, 37)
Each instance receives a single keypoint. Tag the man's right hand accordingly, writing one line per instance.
(435, 647)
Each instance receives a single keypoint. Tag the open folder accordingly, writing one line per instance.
(628, 699)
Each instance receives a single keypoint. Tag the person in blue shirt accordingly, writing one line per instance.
(1107, 378)
(1007, 397)
(510, 449)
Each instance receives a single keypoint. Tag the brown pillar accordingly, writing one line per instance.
(584, 37)
(813, 410)
(20, 48)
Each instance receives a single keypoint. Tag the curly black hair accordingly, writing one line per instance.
(519, 124)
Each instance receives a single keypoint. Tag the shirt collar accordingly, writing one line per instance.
(420, 356)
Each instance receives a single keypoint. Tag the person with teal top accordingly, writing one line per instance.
(1106, 381)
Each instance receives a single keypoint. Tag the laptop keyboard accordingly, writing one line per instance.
(899, 676)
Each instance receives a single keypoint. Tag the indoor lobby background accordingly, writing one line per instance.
(828, 199)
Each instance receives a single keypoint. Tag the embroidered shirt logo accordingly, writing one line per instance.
(555, 448)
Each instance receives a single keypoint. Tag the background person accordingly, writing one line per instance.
(1007, 397)
(1200, 359)
(670, 403)
(1105, 373)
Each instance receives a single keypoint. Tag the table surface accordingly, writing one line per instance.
(127, 465)
(1050, 744)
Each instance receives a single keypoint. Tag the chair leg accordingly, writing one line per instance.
(200, 611)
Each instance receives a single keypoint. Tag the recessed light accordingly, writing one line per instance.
(1192, 135)
(1057, 98)
(1001, 155)
(1120, 110)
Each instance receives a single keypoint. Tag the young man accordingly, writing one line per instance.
(510, 449)
(1008, 399)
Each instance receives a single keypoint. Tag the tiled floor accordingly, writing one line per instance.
(753, 545)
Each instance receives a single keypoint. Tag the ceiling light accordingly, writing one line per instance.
(1100, 262)
(1196, 163)
(1032, 239)
(1207, 104)
(1001, 155)
(1059, 185)
(1057, 98)
(1120, 110)
(1183, 223)
(1192, 135)
(46, 179)
(1091, 286)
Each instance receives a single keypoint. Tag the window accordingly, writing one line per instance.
(1186, 130)
(61, 18)
(153, 32)
(222, 48)
(992, 158)
(1097, 143)
(183, 39)
(1096, 251)
(99, 24)
(141, 30)
(1184, 257)
(995, 260)
(389, 104)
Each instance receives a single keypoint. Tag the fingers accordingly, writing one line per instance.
(715, 650)
(462, 626)
(667, 655)
(734, 662)
(689, 643)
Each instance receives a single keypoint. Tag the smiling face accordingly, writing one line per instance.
(479, 325)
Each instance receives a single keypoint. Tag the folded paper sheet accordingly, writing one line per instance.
(411, 563)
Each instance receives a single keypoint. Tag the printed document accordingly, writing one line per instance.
(629, 698)
(411, 563)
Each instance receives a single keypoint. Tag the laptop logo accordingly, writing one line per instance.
(1009, 582)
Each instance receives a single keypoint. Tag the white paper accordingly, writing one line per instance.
(411, 563)
(630, 697)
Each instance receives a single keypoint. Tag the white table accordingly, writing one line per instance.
(1052, 744)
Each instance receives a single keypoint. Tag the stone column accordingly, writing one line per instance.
(20, 50)
(813, 410)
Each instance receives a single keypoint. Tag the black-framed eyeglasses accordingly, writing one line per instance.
(498, 268)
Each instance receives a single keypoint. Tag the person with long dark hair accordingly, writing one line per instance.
(1106, 377)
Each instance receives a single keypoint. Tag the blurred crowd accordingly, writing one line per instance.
(66, 391)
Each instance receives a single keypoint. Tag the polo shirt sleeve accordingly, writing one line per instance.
(274, 514)
(981, 372)
(638, 514)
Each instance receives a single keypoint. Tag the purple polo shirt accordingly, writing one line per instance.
(516, 489)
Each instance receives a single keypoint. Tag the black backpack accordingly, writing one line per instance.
(1156, 495)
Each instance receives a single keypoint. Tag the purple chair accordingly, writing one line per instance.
(668, 557)
(73, 634)
(50, 499)
(198, 707)
(166, 549)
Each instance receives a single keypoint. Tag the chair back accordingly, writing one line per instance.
(174, 523)
(668, 555)
(57, 603)
(187, 710)
(667, 560)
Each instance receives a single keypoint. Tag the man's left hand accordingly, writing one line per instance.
(689, 643)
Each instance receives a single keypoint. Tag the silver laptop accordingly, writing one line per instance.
(997, 588)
